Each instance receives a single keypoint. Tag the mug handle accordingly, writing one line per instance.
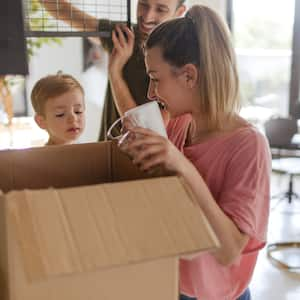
(109, 131)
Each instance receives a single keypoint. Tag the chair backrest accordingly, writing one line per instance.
(279, 131)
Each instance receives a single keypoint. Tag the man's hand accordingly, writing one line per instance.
(123, 40)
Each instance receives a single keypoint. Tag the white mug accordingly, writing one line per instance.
(147, 115)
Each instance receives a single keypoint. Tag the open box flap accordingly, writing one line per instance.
(64, 231)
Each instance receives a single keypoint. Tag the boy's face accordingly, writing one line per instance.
(64, 117)
(150, 13)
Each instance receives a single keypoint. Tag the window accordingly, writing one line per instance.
(263, 32)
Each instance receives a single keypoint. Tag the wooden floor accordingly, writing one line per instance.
(269, 281)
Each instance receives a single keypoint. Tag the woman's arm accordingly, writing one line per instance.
(232, 240)
(158, 151)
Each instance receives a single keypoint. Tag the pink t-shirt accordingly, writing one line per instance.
(236, 167)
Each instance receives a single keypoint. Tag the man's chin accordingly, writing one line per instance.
(144, 31)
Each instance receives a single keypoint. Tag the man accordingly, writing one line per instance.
(128, 81)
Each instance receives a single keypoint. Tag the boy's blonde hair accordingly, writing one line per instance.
(203, 39)
(52, 86)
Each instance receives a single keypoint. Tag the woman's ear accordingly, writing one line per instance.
(191, 75)
(40, 121)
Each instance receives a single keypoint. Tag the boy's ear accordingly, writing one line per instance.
(40, 120)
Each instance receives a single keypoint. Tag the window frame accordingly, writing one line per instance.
(294, 86)
(294, 96)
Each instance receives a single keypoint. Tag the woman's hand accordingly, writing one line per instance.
(149, 150)
(123, 40)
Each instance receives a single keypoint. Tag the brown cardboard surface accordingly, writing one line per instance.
(82, 229)
(151, 280)
(122, 168)
(65, 166)
(83, 240)
(154, 279)
(55, 166)
(4, 260)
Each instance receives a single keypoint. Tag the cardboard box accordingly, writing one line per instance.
(81, 240)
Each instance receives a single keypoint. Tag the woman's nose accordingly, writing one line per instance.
(151, 93)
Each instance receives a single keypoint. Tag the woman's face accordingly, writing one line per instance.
(167, 83)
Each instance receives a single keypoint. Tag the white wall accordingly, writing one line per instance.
(68, 57)
(94, 82)
(52, 58)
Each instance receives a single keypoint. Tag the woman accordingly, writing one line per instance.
(224, 159)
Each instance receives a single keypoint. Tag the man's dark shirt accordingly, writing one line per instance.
(135, 76)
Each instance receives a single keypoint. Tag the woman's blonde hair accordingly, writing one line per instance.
(52, 86)
(203, 39)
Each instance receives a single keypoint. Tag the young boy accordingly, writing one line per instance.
(58, 102)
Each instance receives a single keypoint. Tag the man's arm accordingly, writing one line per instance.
(122, 96)
(65, 11)
(123, 40)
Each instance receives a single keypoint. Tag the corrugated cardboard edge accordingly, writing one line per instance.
(195, 202)
(6, 170)
(4, 265)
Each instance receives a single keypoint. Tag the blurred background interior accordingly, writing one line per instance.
(266, 35)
